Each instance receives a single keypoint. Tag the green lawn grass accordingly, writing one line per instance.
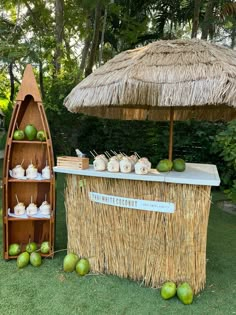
(48, 290)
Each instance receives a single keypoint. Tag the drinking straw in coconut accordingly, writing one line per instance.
(17, 198)
(93, 155)
(22, 162)
(138, 156)
(108, 154)
(95, 152)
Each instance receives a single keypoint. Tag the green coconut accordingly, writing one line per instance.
(35, 259)
(164, 165)
(179, 165)
(14, 249)
(31, 247)
(82, 267)
(45, 247)
(23, 260)
(70, 262)
(185, 293)
(168, 290)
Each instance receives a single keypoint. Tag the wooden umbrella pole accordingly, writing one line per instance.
(171, 133)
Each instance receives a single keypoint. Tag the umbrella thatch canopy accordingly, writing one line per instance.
(165, 80)
(194, 77)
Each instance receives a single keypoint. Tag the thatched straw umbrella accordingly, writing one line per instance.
(165, 80)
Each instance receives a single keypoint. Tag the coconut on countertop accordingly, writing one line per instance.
(125, 165)
(113, 165)
(141, 168)
(100, 162)
(147, 162)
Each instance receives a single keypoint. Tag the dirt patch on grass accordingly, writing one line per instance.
(227, 206)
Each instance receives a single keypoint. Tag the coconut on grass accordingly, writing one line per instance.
(23, 260)
(185, 293)
(35, 259)
(82, 267)
(70, 262)
(168, 290)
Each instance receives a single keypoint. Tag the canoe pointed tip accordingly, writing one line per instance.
(29, 85)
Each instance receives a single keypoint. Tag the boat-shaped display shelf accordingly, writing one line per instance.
(28, 174)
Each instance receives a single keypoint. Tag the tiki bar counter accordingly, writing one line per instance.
(150, 228)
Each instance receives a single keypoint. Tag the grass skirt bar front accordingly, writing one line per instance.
(152, 247)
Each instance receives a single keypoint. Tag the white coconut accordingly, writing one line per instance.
(31, 171)
(113, 165)
(46, 172)
(45, 208)
(134, 158)
(103, 156)
(125, 165)
(19, 209)
(18, 171)
(99, 164)
(141, 168)
(147, 162)
(31, 209)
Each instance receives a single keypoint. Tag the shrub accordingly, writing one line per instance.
(225, 145)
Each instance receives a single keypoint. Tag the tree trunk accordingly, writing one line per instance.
(12, 80)
(41, 79)
(208, 19)
(59, 15)
(97, 23)
(86, 47)
(102, 36)
(197, 5)
(233, 35)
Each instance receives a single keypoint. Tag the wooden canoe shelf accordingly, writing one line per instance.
(28, 109)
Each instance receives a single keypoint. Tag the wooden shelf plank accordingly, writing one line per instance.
(14, 180)
(27, 219)
(29, 142)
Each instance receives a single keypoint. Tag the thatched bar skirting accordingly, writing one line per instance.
(150, 247)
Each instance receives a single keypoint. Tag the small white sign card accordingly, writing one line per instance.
(138, 204)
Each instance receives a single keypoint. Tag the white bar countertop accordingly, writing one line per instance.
(194, 174)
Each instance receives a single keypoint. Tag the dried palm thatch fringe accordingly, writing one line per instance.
(190, 75)
(147, 246)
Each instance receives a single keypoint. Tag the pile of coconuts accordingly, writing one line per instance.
(72, 262)
(30, 255)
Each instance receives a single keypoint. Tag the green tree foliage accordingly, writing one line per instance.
(30, 33)
(225, 147)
